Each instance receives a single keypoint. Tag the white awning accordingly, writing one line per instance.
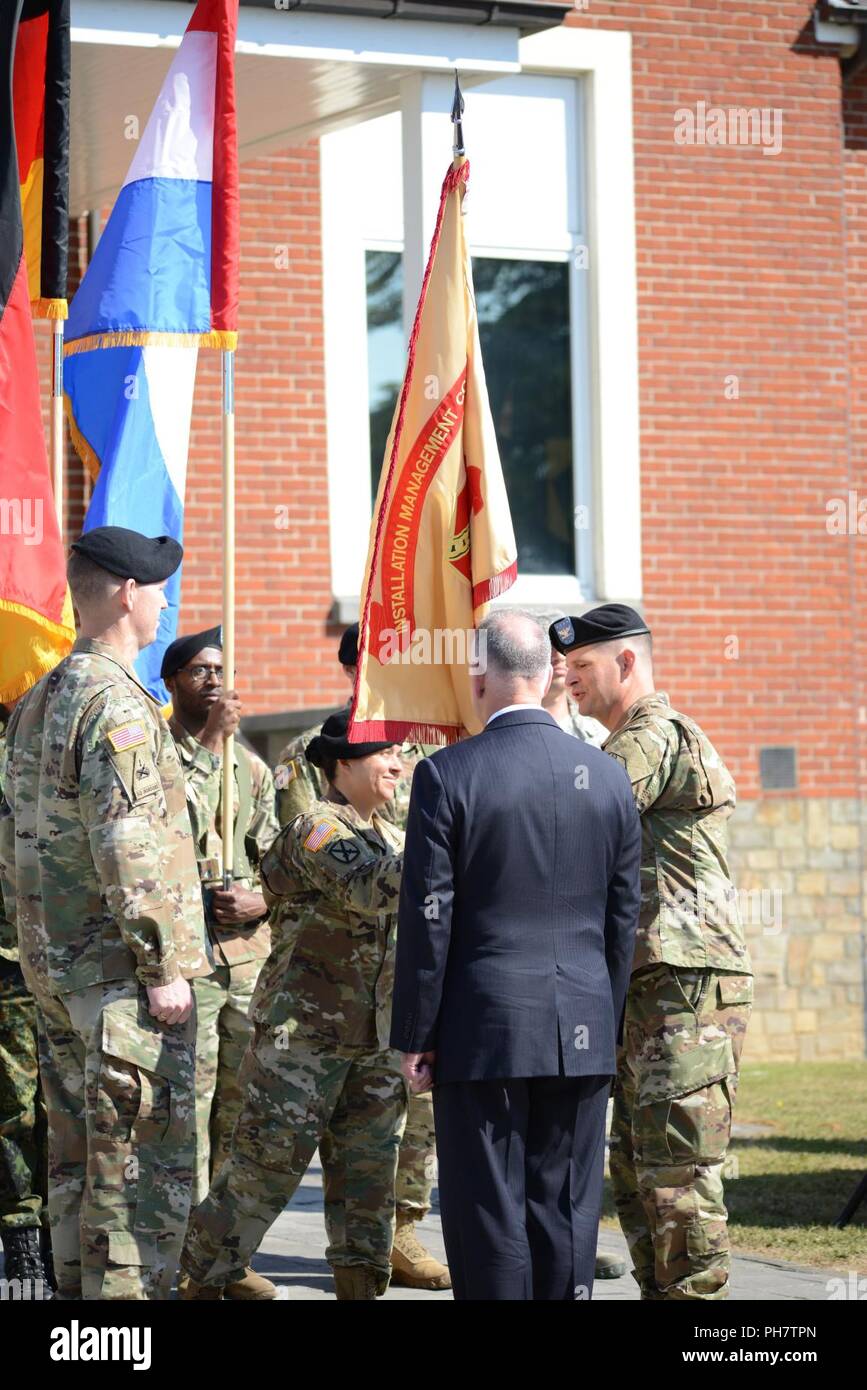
(298, 75)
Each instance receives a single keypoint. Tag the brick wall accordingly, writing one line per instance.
(745, 268)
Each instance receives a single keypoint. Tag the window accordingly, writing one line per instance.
(523, 309)
(550, 221)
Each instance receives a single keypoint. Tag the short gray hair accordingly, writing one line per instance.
(515, 644)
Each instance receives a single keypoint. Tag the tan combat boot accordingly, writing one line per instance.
(355, 1283)
(191, 1292)
(413, 1267)
(250, 1288)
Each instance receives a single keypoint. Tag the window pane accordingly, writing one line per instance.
(386, 349)
(523, 311)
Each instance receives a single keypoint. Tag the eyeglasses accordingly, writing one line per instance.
(199, 674)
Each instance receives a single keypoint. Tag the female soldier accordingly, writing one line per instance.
(319, 1071)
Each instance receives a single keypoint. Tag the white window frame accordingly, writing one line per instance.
(603, 298)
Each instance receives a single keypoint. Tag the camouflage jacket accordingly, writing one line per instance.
(203, 773)
(96, 854)
(684, 793)
(334, 882)
(588, 730)
(300, 785)
(8, 934)
(397, 809)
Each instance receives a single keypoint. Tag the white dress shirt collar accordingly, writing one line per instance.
(509, 709)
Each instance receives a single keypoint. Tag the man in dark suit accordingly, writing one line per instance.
(518, 909)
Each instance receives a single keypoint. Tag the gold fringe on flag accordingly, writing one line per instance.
(49, 308)
(79, 443)
(139, 338)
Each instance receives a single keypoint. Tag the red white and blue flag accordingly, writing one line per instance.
(162, 283)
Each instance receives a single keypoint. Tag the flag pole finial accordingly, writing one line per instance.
(457, 114)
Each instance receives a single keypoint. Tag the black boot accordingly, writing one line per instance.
(23, 1262)
(47, 1258)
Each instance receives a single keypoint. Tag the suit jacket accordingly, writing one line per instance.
(518, 906)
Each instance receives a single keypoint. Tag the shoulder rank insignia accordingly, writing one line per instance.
(321, 832)
(345, 851)
(127, 736)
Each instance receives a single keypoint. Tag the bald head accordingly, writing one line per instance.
(514, 662)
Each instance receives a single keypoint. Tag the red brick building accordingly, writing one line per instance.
(675, 197)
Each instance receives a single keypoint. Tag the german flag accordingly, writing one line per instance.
(40, 86)
(36, 621)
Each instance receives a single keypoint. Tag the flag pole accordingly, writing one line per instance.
(56, 425)
(228, 790)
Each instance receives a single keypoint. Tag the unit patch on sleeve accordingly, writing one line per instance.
(344, 851)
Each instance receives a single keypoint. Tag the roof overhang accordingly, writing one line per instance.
(526, 15)
(299, 72)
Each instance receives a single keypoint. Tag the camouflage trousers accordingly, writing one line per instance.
(416, 1163)
(23, 1132)
(223, 1032)
(300, 1093)
(676, 1082)
(119, 1092)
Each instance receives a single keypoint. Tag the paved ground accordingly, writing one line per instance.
(293, 1255)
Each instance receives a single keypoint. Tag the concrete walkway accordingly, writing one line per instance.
(293, 1255)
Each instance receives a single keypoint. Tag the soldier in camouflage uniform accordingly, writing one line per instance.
(691, 991)
(319, 1070)
(236, 918)
(99, 870)
(23, 1133)
(299, 785)
(299, 782)
(571, 721)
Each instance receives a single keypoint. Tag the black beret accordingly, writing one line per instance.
(605, 624)
(183, 649)
(348, 649)
(332, 741)
(130, 555)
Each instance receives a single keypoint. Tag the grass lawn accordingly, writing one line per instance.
(787, 1190)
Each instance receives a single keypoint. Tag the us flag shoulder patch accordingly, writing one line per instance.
(319, 835)
(127, 736)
